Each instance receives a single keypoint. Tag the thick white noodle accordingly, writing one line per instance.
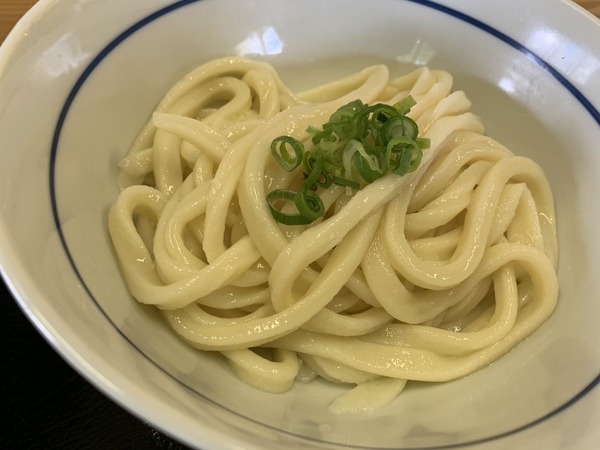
(428, 277)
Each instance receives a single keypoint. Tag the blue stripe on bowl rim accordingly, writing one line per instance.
(589, 107)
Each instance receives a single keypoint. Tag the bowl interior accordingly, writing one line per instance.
(524, 103)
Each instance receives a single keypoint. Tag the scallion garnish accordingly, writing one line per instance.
(359, 144)
(282, 155)
(284, 218)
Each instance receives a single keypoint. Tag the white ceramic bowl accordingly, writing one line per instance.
(77, 81)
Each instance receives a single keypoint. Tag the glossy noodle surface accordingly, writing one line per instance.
(428, 276)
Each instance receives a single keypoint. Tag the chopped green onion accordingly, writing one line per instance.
(381, 113)
(403, 155)
(358, 144)
(423, 143)
(281, 217)
(404, 105)
(283, 156)
(313, 166)
(346, 182)
(309, 204)
(399, 126)
(368, 171)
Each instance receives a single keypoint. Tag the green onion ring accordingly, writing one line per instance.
(284, 218)
(309, 204)
(283, 156)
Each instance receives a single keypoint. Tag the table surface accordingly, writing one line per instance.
(48, 404)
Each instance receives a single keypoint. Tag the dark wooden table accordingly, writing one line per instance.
(44, 403)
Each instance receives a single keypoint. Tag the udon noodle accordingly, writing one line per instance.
(429, 276)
